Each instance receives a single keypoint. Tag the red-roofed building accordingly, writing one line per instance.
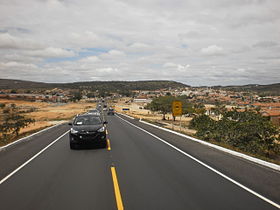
(274, 116)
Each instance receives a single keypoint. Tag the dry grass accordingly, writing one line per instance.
(36, 126)
(24, 103)
(47, 114)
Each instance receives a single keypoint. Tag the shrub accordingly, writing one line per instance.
(11, 122)
(248, 131)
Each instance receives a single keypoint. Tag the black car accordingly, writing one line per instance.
(111, 111)
(94, 111)
(88, 130)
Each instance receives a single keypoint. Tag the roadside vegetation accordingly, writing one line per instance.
(242, 130)
(11, 122)
(248, 131)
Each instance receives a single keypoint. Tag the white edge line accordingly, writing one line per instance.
(209, 167)
(126, 115)
(33, 157)
(27, 137)
(238, 154)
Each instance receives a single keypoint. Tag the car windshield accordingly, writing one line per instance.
(93, 110)
(87, 120)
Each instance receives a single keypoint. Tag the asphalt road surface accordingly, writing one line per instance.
(136, 171)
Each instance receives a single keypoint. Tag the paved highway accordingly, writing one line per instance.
(137, 171)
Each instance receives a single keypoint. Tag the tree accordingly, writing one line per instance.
(250, 131)
(188, 108)
(76, 96)
(162, 104)
(204, 126)
(258, 109)
(12, 121)
(219, 109)
(127, 93)
(91, 95)
(199, 108)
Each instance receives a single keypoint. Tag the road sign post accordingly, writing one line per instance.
(180, 123)
(177, 110)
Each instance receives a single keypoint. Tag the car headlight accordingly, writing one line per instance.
(73, 131)
(102, 129)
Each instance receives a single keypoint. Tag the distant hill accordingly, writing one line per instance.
(117, 86)
(272, 89)
(20, 84)
(93, 85)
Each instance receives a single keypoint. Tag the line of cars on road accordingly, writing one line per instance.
(89, 129)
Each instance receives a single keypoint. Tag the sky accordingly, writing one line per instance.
(196, 42)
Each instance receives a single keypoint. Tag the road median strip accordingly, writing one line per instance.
(117, 189)
(108, 145)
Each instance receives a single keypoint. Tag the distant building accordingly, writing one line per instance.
(142, 99)
(274, 116)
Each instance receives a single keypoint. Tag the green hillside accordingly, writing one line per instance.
(93, 85)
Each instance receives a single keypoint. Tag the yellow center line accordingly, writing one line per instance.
(108, 145)
(117, 189)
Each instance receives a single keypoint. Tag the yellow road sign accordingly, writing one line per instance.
(177, 108)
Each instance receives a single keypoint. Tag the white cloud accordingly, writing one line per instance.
(171, 65)
(8, 41)
(116, 53)
(90, 59)
(107, 70)
(177, 67)
(212, 50)
(51, 52)
(16, 65)
(139, 45)
(19, 57)
(190, 35)
(112, 55)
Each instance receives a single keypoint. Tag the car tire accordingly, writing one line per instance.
(72, 146)
(104, 144)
